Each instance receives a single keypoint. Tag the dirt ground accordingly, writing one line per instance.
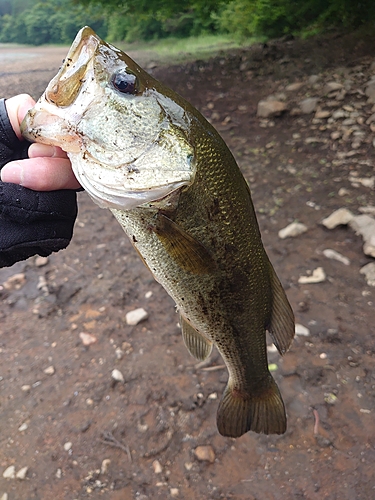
(81, 434)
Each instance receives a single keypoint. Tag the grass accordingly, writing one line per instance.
(180, 50)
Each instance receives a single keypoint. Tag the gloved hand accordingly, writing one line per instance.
(31, 222)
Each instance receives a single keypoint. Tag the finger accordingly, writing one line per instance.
(41, 174)
(17, 108)
(37, 150)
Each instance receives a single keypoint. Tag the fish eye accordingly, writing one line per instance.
(126, 83)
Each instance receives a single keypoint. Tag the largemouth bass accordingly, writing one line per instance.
(145, 153)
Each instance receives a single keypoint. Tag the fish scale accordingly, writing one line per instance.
(187, 209)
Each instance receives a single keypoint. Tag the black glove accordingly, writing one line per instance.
(31, 222)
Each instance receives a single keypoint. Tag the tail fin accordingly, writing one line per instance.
(241, 412)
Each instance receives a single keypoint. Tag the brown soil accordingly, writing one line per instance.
(167, 404)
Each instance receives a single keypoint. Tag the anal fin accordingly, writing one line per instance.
(281, 326)
(196, 343)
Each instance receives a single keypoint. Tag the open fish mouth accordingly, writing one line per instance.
(84, 113)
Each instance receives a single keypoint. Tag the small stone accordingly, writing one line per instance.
(15, 282)
(309, 105)
(148, 294)
(174, 492)
(104, 467)
(292, 230)
(87, 338)
(322, 114)
(41, 261)
(117, 376)
(332, 87)
(313, 79)
(335, 135)
(10, 472)
(302, 330)
(23, 427)
(364, 181)
(26, 388)
(58, 474)
(136, 316)
(340, 113)
(188, 465)
(332, 254)
(68, 446)
(294, 87)
(270, 108)
(343, 192)
(369, 272)
(317, 276)
(342, 216)
(21, 474)
(4, 496)
(364, 225)
(50, 370)
(205, 453)
(158, 469)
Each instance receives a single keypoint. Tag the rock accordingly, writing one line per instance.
(309, 105)
(23, 427)
(367, 210)
(320, 114)
(117, 376)
(136, 316)
(339, 113)
(332, 254)
(41, 261)
(294, 87)
(68, 446)
(104, 467)
(364, 181)
(15, 282)
(370, 91)
(317, 276)
(292, 230)
(332, 87)
(87, 338)
(158, 469)
(21, 474)
(50, 370)
(335, 135)
(205, 453)
(270, 108)
(364, 225)
(369, 271)
(342, 216)
(10, 472)
(302, 330)
(343, 192)
(313, 79)
(4, 496)
(174, 492)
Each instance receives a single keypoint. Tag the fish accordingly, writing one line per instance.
(141, 150)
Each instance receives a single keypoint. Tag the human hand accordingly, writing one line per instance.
(37, 216)
(47, 168)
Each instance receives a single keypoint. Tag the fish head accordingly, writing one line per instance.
(127, 136)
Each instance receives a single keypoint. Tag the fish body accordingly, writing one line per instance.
(145, 153)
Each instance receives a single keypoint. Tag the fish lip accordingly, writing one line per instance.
(65, 86)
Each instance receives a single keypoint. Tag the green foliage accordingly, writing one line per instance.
(57, 21)
(49, 21)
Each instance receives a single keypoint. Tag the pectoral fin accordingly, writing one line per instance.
(281, 327)
(189, 253)
(196, 344)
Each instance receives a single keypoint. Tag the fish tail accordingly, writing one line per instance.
(261, 412)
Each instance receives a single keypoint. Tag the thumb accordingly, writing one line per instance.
(17, 107)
